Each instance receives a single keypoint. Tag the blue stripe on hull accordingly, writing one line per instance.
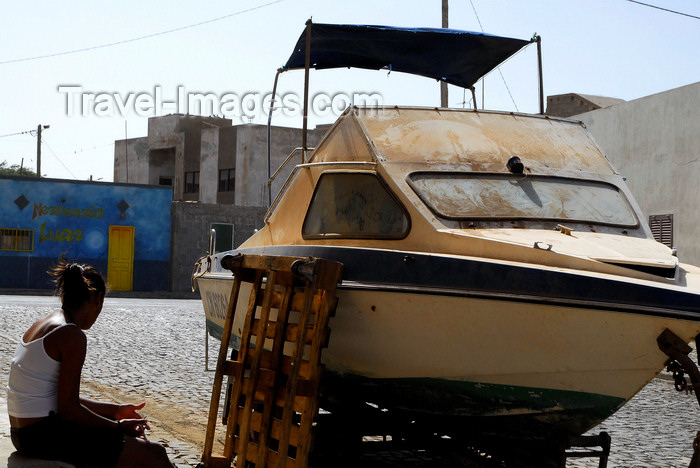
(473, 277)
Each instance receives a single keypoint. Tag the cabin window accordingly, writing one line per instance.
(354, 205)
(461, 196)
(662, 228)
(19, 240)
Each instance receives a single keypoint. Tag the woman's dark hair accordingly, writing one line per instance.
(76, 284)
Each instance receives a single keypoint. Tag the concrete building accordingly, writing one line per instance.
(655, 142)
(218, 173)
(206, 159)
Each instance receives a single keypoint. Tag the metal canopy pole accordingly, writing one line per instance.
(306, 88)
(269, 136)
(445, 24)
(538, 39)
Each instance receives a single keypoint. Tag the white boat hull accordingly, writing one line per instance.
(438, 353)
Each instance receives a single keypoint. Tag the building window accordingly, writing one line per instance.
(227, 180)
(192, 182)
(224, 237)
(19, 240)
(662, 228)
(165, 181)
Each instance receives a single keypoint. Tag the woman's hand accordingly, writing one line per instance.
(129, 411)
(134, 427)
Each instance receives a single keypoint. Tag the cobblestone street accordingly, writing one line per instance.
(153, 350)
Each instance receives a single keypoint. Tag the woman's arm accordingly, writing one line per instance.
(70, 345)
(108, 410)
(113, 410)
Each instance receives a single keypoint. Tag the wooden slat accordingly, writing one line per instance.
(252, 380)
(291, 332)
(218, 462)
(268, 398)
(294, 378)
(218, 376)
(243, 350)
(297, 301)
(275, 428)
(285, 365)
(272, 460)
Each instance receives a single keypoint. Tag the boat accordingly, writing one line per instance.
(496, 268)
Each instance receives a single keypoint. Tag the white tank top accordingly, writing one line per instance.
(32, 387)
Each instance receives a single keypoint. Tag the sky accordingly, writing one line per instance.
(106, 67)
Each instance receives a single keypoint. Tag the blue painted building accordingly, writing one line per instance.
(121, 229)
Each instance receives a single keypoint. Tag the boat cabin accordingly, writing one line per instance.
(490, 184)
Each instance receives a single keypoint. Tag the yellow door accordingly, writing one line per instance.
(120, 266)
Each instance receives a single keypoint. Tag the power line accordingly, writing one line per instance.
(28, 132)
(148, 36)
(664, 9)
(57, 158)
(86, 149)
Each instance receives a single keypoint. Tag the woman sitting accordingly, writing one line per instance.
(48, 418)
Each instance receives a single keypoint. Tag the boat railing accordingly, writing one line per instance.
(284, 164)
(296, 169)
(212, 242)
(279, 169)
(271, 178)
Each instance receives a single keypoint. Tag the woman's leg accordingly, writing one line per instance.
(138, 453)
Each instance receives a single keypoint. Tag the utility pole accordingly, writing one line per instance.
(443, 85)
(38, 148)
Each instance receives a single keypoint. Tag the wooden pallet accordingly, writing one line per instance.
(274, 396)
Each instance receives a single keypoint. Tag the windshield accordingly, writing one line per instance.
(495, 197)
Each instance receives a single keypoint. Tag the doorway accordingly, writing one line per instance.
(120, 258)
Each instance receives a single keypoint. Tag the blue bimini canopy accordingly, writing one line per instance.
(456, 57)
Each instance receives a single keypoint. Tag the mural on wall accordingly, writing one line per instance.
(48, 218)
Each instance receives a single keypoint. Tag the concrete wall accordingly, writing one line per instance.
(209, 165)
(163, 131)
(564, 105)
(131, 160)
(74, 219)
(172, 147)
(227, 160)
(191, 223)
(251, 159)
(179, 175)
(654, 141)
(161, 165)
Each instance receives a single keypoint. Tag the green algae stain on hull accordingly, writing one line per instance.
(503, 406)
